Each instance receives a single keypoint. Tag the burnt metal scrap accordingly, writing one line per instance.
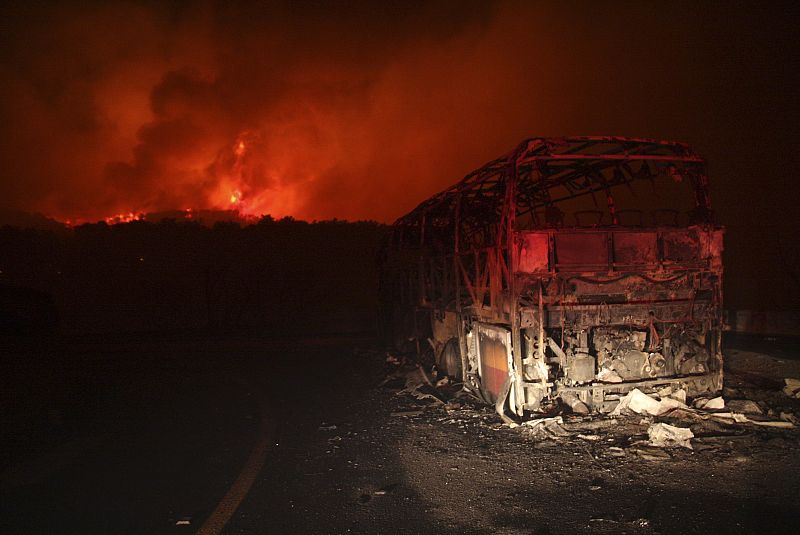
(578, 268)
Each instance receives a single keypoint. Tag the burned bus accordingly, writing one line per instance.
(577, 268)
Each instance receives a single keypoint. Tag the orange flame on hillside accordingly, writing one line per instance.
(123, 218)
(244, 177)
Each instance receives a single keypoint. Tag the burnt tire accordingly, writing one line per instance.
(449, 360)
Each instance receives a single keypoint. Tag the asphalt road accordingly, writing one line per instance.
(143, 434)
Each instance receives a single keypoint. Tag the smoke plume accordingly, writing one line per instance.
(362, 109)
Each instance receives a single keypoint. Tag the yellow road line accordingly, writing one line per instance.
(231, 501)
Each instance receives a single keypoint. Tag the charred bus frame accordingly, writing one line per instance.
(520, 305)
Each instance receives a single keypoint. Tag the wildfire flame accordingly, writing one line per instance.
(238, 173)
(123, 218)
(240, 148)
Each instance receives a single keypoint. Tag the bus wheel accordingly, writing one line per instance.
(449, 360)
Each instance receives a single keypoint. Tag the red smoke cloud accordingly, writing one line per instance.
(360, 110)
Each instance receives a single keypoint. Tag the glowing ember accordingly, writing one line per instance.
(236, 197)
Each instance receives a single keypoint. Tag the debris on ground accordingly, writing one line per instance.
(607, 375)
(792, 388)
(383, 491)
(423, 392)
(669, 436)
(406, 414)
(788, 417)
(710, 404)
(670, 392)
(546, 427)
(393, 360)
(742, 419)
(671, 441)
(413, 380)
(654, 426)
(577, 406)
(640, 403)
(744, 406)
(651, 454)
(616, 451)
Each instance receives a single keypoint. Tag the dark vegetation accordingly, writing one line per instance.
(280, 277)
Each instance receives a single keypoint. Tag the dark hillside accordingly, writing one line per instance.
(281, 277)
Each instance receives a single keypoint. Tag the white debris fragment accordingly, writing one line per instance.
(664, 392)
(727, 417)
(742, 419)
(541, 421)
(792, 388)
(607, 375)
(667, 404)
(772, 423)
(640, 403)
(547, 426)
(679, 395)
(668, 436)
(710, 404)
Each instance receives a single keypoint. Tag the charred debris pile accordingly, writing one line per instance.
(751, 409)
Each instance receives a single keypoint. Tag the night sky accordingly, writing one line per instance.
(361, 110)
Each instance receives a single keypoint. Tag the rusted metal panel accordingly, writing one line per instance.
(711, 247)
(581, 250)
(635, 248)
(534, 252)
(681, 246)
